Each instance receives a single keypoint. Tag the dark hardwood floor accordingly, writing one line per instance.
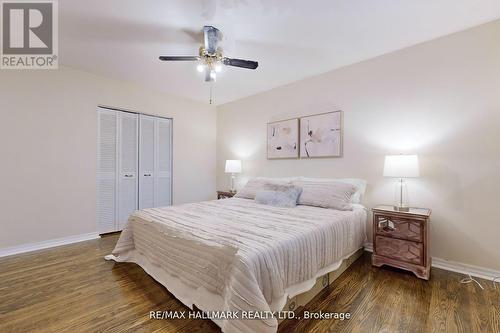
(73, 289)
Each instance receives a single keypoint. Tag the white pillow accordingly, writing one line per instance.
(255, 185)
(335, 195)
(360, 185)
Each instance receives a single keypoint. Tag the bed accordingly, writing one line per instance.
(238, 256)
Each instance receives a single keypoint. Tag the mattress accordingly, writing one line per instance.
(237, 256)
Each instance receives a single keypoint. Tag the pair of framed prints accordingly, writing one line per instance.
(306, 137)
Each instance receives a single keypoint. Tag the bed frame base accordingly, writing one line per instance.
(321, 283)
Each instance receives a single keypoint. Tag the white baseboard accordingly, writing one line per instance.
(480, 272)
(458, 267)
(369, 247)
(8, 251)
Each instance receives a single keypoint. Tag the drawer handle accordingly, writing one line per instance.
(386, 225)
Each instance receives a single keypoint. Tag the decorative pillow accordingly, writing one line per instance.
(360, 185)
(282, 196)
(336, 195)
(257, 184)
(279, 186)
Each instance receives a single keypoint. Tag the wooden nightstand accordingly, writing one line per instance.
(225, 194)
(401, 239)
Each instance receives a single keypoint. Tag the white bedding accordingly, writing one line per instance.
(235, 254)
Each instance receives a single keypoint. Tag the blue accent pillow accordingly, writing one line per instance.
(286, 196)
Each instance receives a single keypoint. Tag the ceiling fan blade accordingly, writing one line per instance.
(212, 36)
(240, 63)
(179, 58)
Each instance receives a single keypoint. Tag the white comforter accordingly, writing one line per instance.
(237, 255)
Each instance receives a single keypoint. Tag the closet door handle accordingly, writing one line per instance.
(129, 176)
(147, 175)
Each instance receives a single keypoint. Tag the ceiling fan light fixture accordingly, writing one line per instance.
(210, 56)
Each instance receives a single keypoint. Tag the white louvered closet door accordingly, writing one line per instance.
(163, 162)
(134, 166)
(127, 166)
(147, 161)
(107, 170)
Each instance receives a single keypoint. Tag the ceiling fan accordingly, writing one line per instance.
(210, 56)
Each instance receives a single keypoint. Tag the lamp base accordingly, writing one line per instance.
(400, 203)
(232, 190)
(401, 208)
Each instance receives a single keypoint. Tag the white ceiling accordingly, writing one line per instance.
(291, 39)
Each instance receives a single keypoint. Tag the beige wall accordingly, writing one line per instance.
(48, 131)
(440, 100)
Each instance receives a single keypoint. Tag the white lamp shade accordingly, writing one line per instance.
(233, 166)
(401, 166)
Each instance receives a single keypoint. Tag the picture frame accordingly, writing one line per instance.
(283, 139)
(321, 135)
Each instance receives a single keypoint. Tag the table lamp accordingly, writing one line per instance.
(233, 167)
(401, 166)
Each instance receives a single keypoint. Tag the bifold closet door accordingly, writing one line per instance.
(155, 162)
(117, 168)
(164, 162)
(146, 161)
(127, 166)
(107, 170)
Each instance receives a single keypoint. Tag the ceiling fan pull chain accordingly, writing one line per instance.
(211, 87)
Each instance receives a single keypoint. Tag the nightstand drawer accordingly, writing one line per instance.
(399, 228)
(408, 251)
